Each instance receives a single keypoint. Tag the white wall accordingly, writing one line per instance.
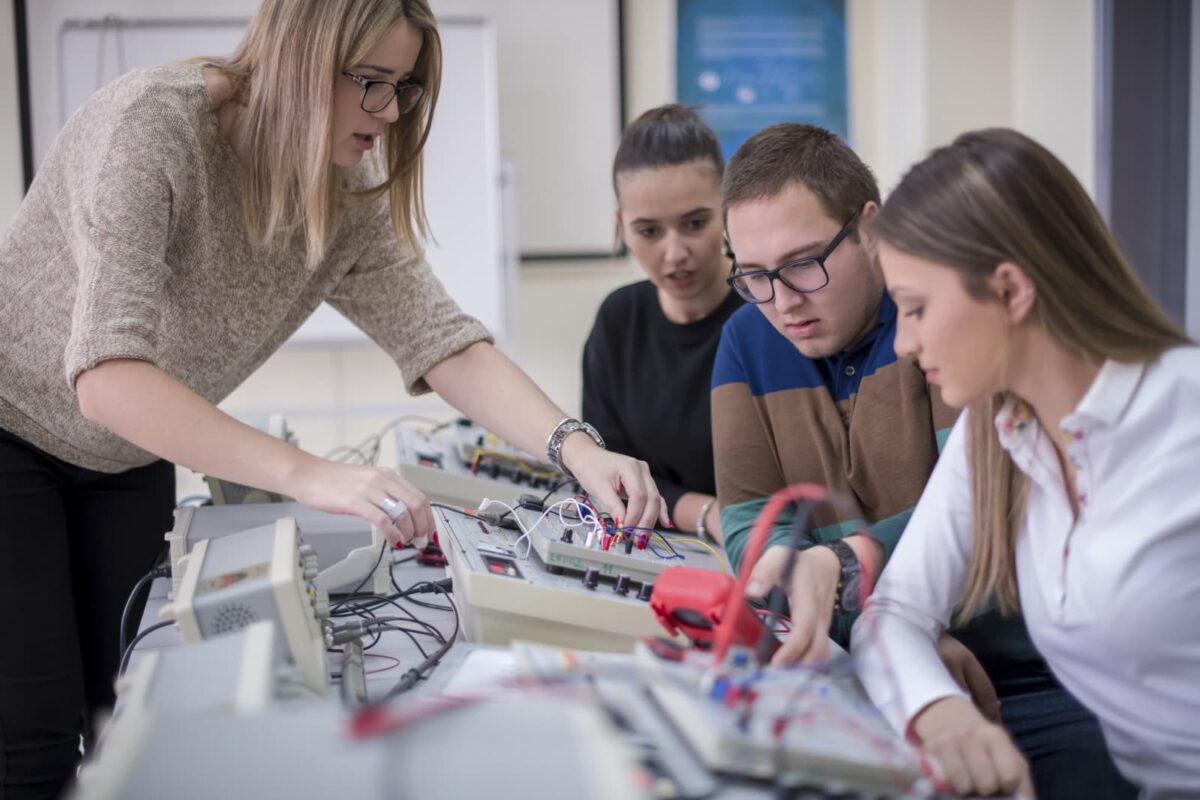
(12, 181)
(1054, 80)
(923, 71)
(560, 105)
(1193, 237)
(970, 82)
(889, 52)
(649, 54)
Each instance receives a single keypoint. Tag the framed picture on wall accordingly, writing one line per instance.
(754, 63)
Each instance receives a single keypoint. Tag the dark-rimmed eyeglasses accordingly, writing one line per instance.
(378, 94)
(802, 275)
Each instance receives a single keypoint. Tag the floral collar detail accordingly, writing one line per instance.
(1014, 419)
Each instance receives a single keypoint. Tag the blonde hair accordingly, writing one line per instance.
(997, 196)
(283, 73)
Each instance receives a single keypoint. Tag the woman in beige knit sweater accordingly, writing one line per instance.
(185, 223)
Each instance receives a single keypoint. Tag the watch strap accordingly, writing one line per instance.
(562, 430)
(847, 598)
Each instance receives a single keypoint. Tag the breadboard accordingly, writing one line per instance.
(641, 565)
(815, 728)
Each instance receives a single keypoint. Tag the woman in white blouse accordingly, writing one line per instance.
(1071, 487)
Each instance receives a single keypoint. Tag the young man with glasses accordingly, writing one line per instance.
(807, 388)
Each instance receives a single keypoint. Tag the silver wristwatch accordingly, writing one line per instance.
(560, 433)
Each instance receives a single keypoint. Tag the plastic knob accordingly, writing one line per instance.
(320, 604)
(645, 592)
(568, 536)
(622, 586)
(591, 578)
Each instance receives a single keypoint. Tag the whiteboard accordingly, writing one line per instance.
(76, 50)
(560, 115)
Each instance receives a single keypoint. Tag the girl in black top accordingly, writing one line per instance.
(648, 361)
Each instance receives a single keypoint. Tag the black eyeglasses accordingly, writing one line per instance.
(378, 94)
(803, 275)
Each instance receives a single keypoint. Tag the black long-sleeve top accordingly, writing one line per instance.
(646, 387)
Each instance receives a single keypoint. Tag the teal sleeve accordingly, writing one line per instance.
(738, 520)
(887, 531)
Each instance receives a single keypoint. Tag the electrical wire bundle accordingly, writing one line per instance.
(363, 607)
(588, 527)
(161, 569)
(362, 620)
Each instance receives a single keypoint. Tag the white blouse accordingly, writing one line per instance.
(1111, 599)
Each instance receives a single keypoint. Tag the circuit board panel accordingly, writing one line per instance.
(590, 598)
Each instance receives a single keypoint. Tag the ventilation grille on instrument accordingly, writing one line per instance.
(232, 617)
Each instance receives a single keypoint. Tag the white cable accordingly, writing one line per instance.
(516, 518)
(526, 533)
(595, 527)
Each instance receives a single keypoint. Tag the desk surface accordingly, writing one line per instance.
(489, 664)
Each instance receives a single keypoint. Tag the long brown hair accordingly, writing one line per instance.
(997, 196)
(283, 72)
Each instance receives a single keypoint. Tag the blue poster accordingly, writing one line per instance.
(751, 63)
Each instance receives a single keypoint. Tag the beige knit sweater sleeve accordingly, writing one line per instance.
(119, 218)
(392, 295)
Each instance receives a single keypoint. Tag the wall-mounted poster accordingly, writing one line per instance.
(752, 63)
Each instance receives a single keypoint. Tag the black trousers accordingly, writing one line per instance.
(73, 542)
